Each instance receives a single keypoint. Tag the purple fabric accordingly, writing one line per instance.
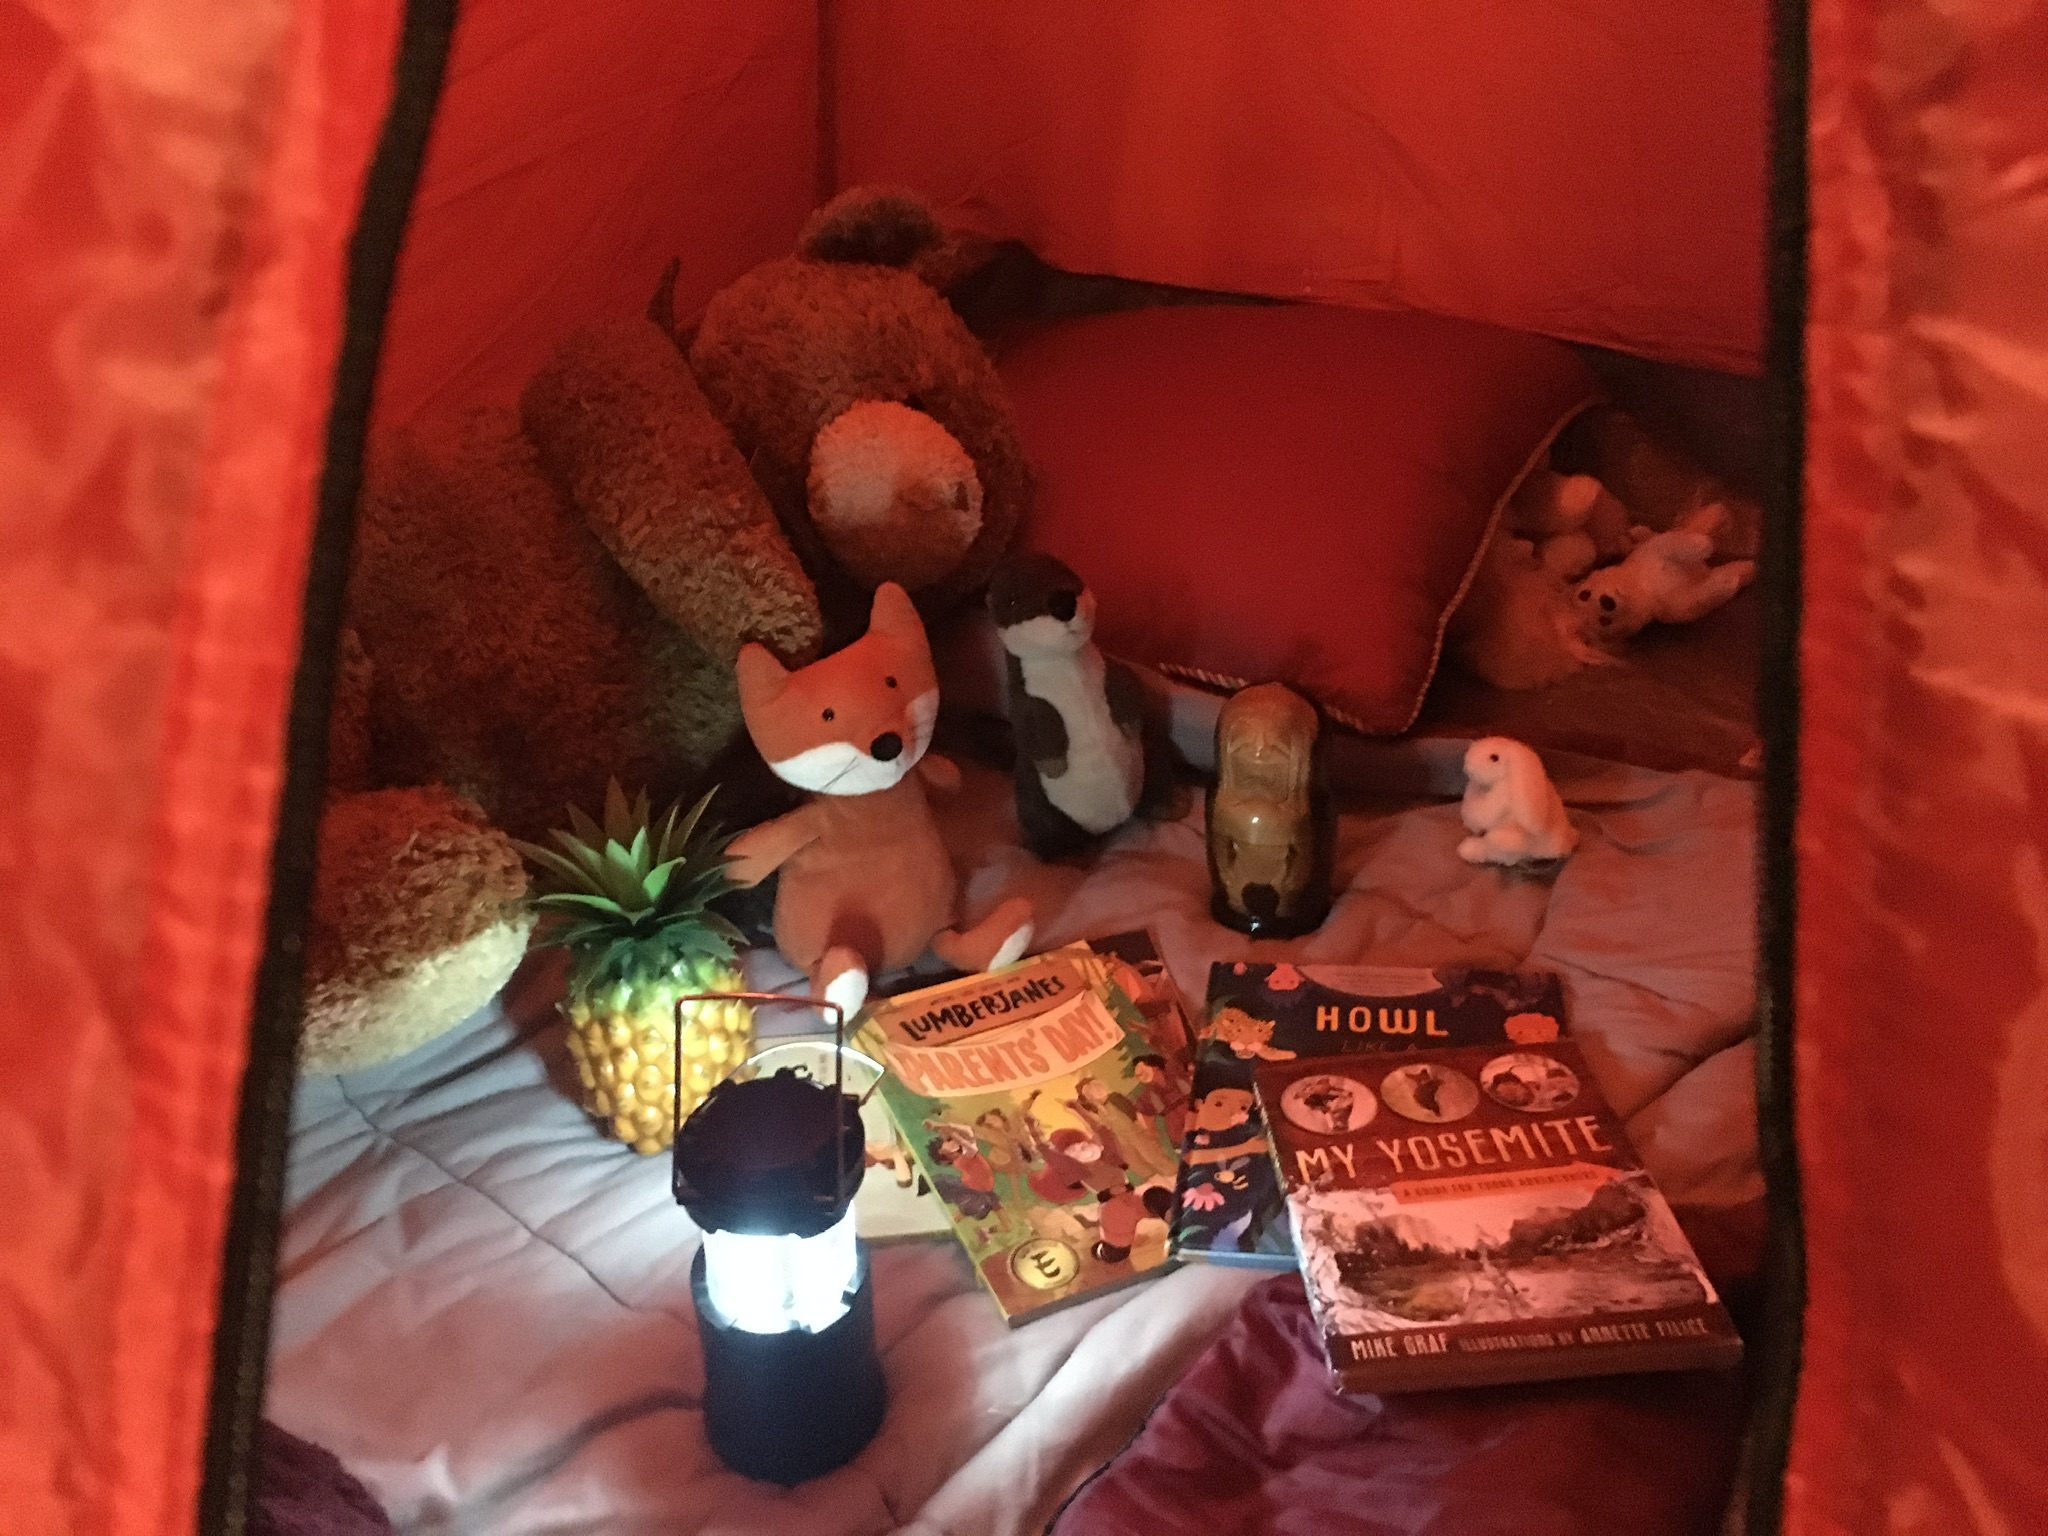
(1253, 1441)
(302, 1490)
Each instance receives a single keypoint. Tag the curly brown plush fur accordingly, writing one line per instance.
(880, 226)
(418, 916)
(514, 658)
(514, 661)
(348, 720)
(624, 431)
(550, 598)
(788, 347)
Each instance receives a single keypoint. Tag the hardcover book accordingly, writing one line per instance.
(1035, 1104)
(1477, 1215)
(1230, 1209)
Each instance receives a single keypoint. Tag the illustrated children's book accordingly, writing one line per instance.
(896, 1200)
(1477, 1215)
(1034, 1103)
(1134, 964)
(1230, 1209)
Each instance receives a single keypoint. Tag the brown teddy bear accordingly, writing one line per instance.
(547, 598)
(871, 418)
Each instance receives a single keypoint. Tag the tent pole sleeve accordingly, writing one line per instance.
(1777, 1352)
(248, 1272)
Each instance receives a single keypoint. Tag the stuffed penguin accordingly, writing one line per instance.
(1078, 718)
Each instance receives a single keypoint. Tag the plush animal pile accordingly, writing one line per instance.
(550, 596)
(1571, 575)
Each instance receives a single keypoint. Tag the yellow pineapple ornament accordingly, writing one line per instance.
(628, 901)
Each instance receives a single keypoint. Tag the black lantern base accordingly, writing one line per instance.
(787, 1407)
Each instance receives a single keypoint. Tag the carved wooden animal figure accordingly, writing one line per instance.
(1269, 852)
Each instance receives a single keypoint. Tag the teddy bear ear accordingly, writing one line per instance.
(878, 226)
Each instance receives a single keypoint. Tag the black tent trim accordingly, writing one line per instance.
(241, 1344)
(1778, 1328)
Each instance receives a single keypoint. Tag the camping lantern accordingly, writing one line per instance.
(767, 1167)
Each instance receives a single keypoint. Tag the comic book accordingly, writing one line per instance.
(1034, 1103)
(1477, 1215)
(1135, 965)
(1229, 1207)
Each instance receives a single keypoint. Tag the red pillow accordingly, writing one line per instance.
(1295, 493)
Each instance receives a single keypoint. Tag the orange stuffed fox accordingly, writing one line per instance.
(866, 884)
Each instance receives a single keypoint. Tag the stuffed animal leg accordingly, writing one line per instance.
(1517, 627)
(1511, 808)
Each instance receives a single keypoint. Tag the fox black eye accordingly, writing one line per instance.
(1585, 594)
(828, 714)
(890, 681)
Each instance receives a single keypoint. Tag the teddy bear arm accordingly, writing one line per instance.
(626, 434)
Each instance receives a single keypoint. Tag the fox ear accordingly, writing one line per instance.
(894, 614)
(762, 678)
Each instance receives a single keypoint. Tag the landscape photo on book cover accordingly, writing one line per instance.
(1477, 1202)
(1230, 1208)
(1043, 1124)
(1599, 1246)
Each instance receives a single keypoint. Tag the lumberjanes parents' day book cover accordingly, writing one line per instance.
(1477, 1215)
(1038, 1108)
(1230, 1207)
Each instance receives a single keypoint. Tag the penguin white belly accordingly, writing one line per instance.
(1105, 768)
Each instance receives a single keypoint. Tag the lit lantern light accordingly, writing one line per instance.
(767, 1167)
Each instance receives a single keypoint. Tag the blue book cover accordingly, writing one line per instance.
(1229, 1207)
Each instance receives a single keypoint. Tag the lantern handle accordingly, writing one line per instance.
(781, 1000)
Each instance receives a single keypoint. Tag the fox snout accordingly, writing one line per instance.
(860, 766)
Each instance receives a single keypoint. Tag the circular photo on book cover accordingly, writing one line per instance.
(1430, 1093)
(1328, 1105)
(1529, 1081)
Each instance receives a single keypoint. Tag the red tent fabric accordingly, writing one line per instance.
(578, 149)
(177, 195)
(1922, 1004)
(1593, 171)
(177, 190)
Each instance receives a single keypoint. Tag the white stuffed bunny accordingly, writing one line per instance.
(1668, 578)
(1511, 808)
